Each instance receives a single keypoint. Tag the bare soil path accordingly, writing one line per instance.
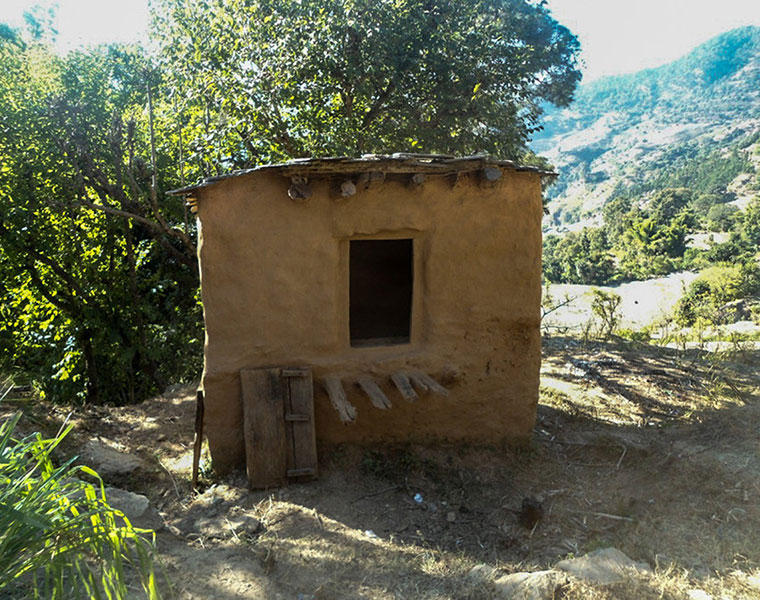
(653, 451)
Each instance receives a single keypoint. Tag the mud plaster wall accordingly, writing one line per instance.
(275, 293)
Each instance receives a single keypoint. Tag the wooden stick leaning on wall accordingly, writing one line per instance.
(198, 443)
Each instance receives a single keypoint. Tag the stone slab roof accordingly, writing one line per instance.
(400, 162)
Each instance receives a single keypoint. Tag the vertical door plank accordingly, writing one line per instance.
(264, 398)
(301, 422)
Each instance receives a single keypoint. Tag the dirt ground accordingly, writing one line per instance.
(654, 451)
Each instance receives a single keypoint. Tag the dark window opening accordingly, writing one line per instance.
(380, 292)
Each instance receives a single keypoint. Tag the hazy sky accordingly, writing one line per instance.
(621, 36)
(618, 36)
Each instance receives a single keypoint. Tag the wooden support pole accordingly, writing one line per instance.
(198, 443)
(456, 179)
(425, 383)
(334, 389)
(362, 181)
(401, 381)
(376, 179)
(373, 391)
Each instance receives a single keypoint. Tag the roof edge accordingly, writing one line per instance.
(400, 162)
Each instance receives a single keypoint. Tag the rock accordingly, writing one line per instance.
(753, 581)
(735, 311)
(107, 460)
(605, 566)
(698, 595)
(480, 573)
(135, 507)
(540, 585)
(212, 525)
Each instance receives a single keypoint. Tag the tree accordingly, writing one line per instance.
(616, 215)
(578, 258)
(263, 80)
(722, 217)
(605, 306)
(98, 279)
(669, 203)
(751, 223)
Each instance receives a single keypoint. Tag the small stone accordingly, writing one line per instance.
(135, 507)
(480, 573)
(698, 595)
(206, 522)
(753, 581)
(451, 516)
(540, 585)
(243, 524)
(604, 566)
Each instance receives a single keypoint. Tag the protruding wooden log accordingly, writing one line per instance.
(343, 190)
(417, 180)
(401, 381)
(362, 181)
(425, 383)
(376, 179)
(299, 190)
(456, 179)
(490, 174)
(373, 391)
(334, 389)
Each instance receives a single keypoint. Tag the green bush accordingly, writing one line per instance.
(605, 306)
(641, 335)
(715, 287)
(58, 536)
(722, 217)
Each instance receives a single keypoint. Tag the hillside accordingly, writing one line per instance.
(692, 123)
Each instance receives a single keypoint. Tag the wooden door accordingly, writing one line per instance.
(278, 413)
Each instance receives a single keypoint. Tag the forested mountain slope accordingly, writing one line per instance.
(693, 123)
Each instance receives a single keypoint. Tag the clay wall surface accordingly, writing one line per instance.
(275, 293)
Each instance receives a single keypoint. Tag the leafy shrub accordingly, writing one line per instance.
(605, 306)
(641, 335)
(751, 223)
(715, 287)
(58, 536)
(722, 217)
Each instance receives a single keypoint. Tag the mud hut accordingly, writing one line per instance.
(382, 298)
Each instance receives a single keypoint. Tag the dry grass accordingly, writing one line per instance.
(653, 451)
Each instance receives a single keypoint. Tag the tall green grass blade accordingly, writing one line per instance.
(59, 539)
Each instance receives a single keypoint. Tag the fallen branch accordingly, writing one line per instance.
(601, 514)
(383, 491)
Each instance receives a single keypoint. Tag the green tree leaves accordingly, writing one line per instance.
(88, 259)
(97, 267)
(259, 81)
